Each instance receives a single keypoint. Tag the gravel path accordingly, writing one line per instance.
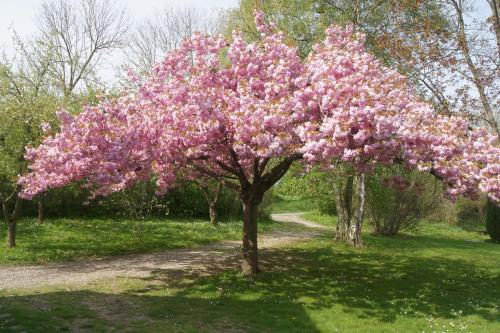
(201, 259)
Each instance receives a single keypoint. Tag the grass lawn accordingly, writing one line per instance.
(287, 204)
(328, 220)
(442, 279)
(71, 239)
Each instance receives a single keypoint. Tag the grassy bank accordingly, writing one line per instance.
(286, 204)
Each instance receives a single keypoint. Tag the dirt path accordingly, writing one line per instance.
(201, 259)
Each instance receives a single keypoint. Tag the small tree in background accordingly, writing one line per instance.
(493, 220)
(26, 103)
(49, 70)
(211, 191)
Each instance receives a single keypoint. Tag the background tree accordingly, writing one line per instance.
(493, 220)
(461, 71)
(57, 67)
(164, 32)
(78, 34)
(25, 104)
(316, 184)
(211, 190)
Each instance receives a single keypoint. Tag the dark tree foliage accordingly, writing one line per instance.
(493, 220)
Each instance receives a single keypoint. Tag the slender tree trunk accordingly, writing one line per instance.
(357, 223)
(11, 218)
(495, 10)
(213, 213)
(343, 202)
(41, 208)
(250, 264)
(476, 74)
(212, 196)
(11, 233)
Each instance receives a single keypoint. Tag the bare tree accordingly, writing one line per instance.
(485, 70)
(495, 21)
(461, 72)
(79, 33)
(164, 32)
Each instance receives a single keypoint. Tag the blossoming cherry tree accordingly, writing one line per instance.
(242, 113)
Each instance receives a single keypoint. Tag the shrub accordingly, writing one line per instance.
(137, 202)
(397, 200)
(470, 214)
(493, 220)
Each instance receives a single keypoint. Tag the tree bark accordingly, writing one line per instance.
(357, 223)
(11, 233)
(250, 263)
(213, 213)
(41, 208)
(11, 218)
(212, 196)
(343, 202)
(350, 213)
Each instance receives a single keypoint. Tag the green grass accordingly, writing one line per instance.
(328, 220)
(72, 239)
(286, 204)
(442, 279)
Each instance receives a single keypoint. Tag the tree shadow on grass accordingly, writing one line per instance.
(367, 284)
(89, 311)
(374, 285)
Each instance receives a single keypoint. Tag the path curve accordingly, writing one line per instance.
(201, 259)
(297, 218)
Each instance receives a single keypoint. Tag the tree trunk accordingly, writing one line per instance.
(343, 202)
(212, 196)
(213, 213)
(357, 223)
(250, 264)
(11, 233)
(350, 213)
(11, 218)
(41, 208)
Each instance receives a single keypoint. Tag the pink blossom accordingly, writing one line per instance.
(195, 116)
